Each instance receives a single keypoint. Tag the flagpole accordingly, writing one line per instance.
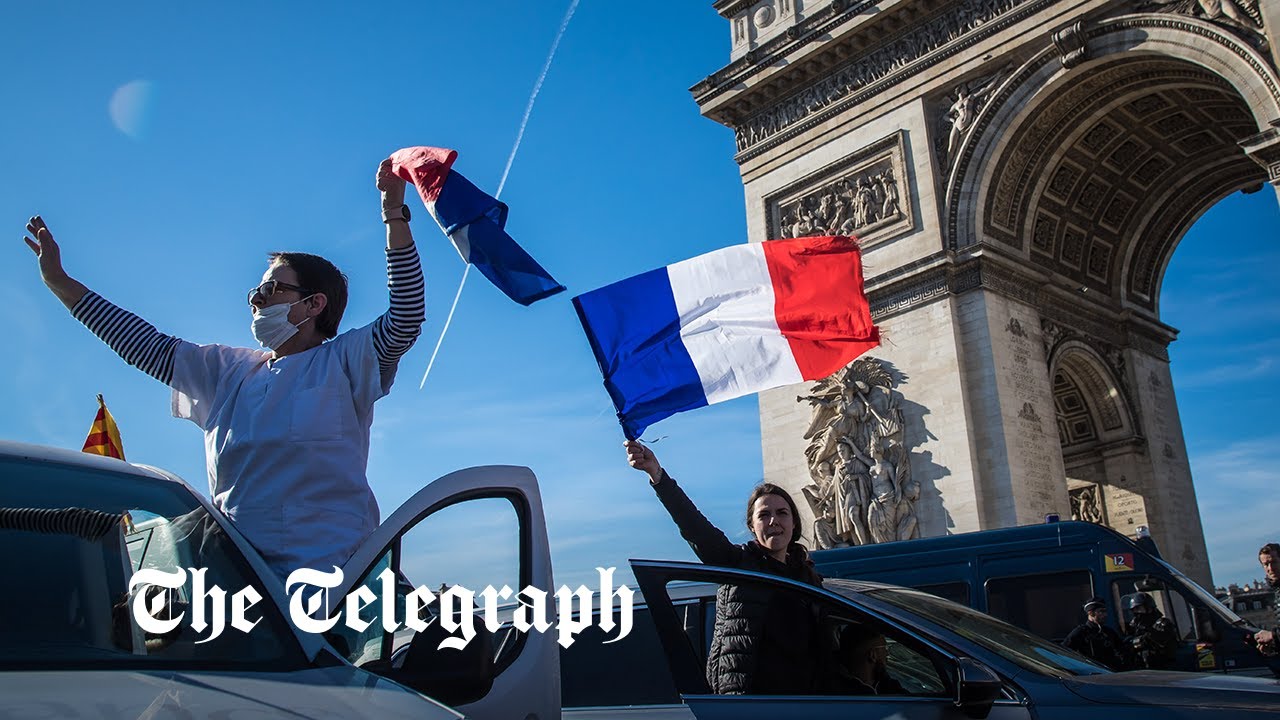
(524, 122)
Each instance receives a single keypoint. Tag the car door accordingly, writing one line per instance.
(917, 677)
(525, 679)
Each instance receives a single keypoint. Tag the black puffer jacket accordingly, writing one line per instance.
(764, 642)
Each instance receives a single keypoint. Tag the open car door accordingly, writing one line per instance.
(823, 641)
(464, 523)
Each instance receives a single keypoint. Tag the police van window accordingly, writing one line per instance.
(1169, 602)
(631, 671)
(1047, 604)
(957, 592)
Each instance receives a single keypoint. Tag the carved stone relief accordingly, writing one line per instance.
(961, 109)
(1055, 333)
(1240, 15)
(862, 491)
(867, 194)
(1086, 504)
(891, 58)
(754, 23)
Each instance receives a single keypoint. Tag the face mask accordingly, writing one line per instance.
(271, 326)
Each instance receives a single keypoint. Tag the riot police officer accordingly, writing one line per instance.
(1096, 641)
(1153, 638)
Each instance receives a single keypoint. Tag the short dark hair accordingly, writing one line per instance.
(1272, 549)
(770, 489)
(319, 276)
(857, 636)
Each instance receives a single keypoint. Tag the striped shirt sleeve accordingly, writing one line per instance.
(131, 337)
(395, 330)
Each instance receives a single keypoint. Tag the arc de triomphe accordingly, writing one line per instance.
(1020, 173)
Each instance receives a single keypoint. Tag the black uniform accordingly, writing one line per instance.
(1100, 643)
(763, 642)
(1154, 640)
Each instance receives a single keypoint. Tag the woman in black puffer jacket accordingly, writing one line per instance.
(764, 642)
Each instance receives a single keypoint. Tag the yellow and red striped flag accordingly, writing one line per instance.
(104, 436)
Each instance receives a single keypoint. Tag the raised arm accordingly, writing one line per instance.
(40, 240)
(132, 338)
(709, 543)
(397, 329)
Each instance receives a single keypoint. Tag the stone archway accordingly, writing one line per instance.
(1102, 448)
(1157, 93)
(1043, 158)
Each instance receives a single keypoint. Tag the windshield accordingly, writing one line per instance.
(66, 599)
(1211, 602)
(1014, 644)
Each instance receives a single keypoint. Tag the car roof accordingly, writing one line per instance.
(1046, 534)
(10, 449)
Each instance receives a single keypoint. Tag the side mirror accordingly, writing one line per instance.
(1206, 628)
(977, 688)
(1147, 584)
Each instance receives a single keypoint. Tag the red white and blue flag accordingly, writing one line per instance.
(474, 222)
(726, 324)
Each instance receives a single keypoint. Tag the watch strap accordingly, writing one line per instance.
(396, 213)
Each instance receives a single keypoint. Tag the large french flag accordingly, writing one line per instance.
(729, 323)
(474, 222)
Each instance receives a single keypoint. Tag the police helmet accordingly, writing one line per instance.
(1140, 603)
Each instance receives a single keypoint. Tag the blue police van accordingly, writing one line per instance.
(1039, 577)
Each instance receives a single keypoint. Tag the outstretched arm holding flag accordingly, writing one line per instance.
(287, 427)
(474, 222)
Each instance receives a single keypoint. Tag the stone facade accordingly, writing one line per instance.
(1017, 171)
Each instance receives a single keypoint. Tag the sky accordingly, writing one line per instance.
(171, 146)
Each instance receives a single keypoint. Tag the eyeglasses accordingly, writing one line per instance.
(271, 287)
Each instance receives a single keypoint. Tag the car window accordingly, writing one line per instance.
(1047, 604)
(1012, 643)
(427, 555)
(805, 644)
(67, 599)
(630, 671)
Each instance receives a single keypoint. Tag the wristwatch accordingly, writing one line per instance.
(400, 213)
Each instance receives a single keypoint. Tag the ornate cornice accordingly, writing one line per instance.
(942, 274)
(1264, 149)
(916, 49)
(771, 51)
(1135, 442)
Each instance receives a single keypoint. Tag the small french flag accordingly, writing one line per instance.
(474, 222)
(726, 324)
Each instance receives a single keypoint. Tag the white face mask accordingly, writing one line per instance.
(271, 326)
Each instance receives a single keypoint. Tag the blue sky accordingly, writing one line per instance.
(249, 130)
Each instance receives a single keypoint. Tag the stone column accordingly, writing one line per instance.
(1172, 511)
(1009, 402)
